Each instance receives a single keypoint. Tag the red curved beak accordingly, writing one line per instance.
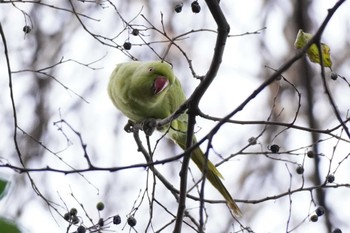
(160, 84)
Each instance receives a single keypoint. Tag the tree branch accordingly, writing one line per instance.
(193, 102)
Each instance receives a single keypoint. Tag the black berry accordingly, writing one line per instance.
(27, 29)
(66, 216)
(81, 229)
(75, 219)
(131, 221)
(300, 170)
(117, 220)
(196, 8)
(336, 230)
(73, 212)
(275, 148)
(330, 178)
(320, 211)
(135, 32)
(127, 45)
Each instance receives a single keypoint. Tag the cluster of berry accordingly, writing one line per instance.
(72, 218)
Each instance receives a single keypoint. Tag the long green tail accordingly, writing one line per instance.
(213, 175)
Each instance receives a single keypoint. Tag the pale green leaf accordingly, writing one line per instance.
(303, 38)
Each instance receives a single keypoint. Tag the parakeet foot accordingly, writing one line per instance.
(148, 126)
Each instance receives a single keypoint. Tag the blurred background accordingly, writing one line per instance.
(61, 55)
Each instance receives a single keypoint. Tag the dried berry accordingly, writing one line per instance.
(100, 206)
(314, 218)
(310, 154)
(101, 222)
(117, 220)
(196, 8)
(131, 221)
(275, 148)
(127, 45)
(178, 7)
(252, 141)
(334, 75)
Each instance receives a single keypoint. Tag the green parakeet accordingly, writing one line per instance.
(150, 90)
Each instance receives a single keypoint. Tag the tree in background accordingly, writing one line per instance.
(275, 124)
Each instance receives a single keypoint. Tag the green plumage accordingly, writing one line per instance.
(145, 90)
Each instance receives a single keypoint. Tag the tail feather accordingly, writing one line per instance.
(213, 175)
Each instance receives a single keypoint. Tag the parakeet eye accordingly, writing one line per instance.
(150, 69)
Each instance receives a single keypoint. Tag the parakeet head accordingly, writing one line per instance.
(153, 78)
(139, 88)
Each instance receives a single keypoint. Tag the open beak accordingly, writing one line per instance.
(160, 84)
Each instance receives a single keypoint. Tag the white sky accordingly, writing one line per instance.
(109, 145)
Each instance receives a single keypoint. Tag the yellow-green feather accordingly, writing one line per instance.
(197, 156)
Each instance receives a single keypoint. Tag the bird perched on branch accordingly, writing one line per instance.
(150, 90)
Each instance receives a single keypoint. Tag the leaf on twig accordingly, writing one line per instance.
(303, 38)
